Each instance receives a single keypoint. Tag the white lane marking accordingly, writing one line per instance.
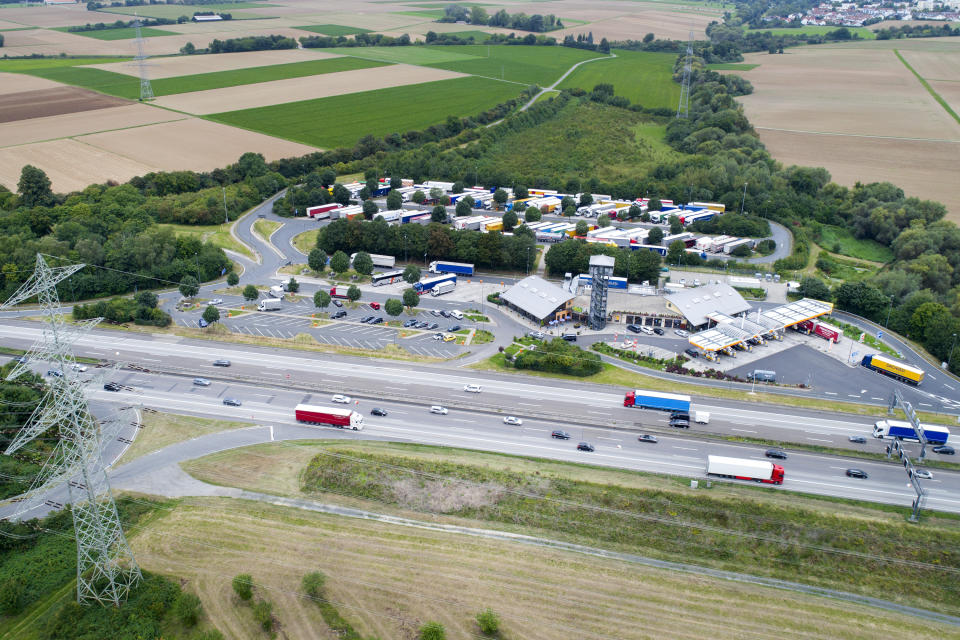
(604, 438)
(830, 393)
(876, 398)
(852, 395)
(686, 448)
(271, 433)
(948, 386)
(744, 430)
(819, 440)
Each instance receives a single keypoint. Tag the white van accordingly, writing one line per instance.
(456, 314)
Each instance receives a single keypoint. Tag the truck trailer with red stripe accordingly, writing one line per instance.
(333, 416)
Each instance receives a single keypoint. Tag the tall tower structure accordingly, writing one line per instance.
(106, 569)
(601, 268)
(683, 108)
(146, 91)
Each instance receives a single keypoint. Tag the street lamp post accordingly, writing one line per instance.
(889, 309)
(528, 260)
(744, 199)
(950, 357)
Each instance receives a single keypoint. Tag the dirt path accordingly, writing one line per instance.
(562, 78)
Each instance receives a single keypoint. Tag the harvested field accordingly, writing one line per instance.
(949, 91)
(78, 124)
(18, 82)
(191, 65)
(387, 580)
(409, 55)
(634, 25)
(297, 89)
(236, 9)
(934, 65)
(41, 103)
(42, 16)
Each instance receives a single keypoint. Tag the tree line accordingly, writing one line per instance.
(477, 15)
(252, 43)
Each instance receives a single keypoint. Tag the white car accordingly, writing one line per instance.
(513, 420)
(923, 473)
(438, 410)
(78, 367)
(472, 388)
(647, 330)
(341, 399)
(216, 301)
(681, 333)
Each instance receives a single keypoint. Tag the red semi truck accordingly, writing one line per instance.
(343, 418)
(820, 329)
(339, 292)
(742, 469)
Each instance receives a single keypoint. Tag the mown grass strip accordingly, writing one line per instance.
(731, 66)
(641, 77)
(124, 33)
(936, 96)
(333, 30)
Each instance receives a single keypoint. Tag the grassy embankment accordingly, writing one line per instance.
(836, 543)
(265, 229)
(642, 77)
(216, 234)
(163, 429)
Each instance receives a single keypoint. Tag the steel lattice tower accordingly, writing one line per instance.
(146, 91)
(683, 108)
(601, 268)
(106, 569)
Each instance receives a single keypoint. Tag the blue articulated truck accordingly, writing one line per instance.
(459, 268)
(654, 400)
(426, 285)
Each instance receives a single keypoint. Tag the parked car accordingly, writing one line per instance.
(438, 410)
(445, 313)
(560, 434)
(681, 333)
(422, 325)
(232, 402)
(858, 439)
(944, 450)
(693, 353)
(923, 473)
(438, 336)
(366, 319)
(454, 328)
(536, 335)
(55, 373)
(201, 382)
(377, 320)
(221, 363)
(513, 420)
(338, 315)
(409, 323)
(646, 437)
(633, 327)
(375, 306)
(585, 446)
(570, 337)
(472, 388)
(377, 411)
(434, 312)
(340, 398)
(449, 337)
(647, 330)
(776, 453)
(857, 473)
(111, 386)
(658, 331)
(216, 301)
(337, 303)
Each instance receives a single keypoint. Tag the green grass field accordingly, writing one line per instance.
(333, 29)
(863, 32)
(731, 66)
(112, 84)
(479, 36)
(640, 76)
(529, 65)
(126, 33)
(853, 247)
(174, 11)
(429, 56)
(29, 65)
(428, 14)
(342, 120)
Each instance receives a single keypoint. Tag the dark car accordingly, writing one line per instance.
(433, 325)
(337, 303)
(377, 320)
(561, 435)
(857, 473)
(434, 312)
(445, 313)
(421, 325)
(570, 337)
(857, 439)
(585, 446)
(21, 360)
(646, 437)
(775, 453)
(111, 386)
(232, 402)
(680, 415)
(54, 373)
(944, 450)
(377, 411)
(366, 319)
(658, 331)
(693, 353)
(221, 363)
(454, 327)
(633, 327)
(409, 323)
(680, 423)
(338, 315)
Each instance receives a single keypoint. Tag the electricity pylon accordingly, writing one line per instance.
(106, 569)
(683, 108)
(146, 91)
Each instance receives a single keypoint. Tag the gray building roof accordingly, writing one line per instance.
(696, 303)
(536, 296)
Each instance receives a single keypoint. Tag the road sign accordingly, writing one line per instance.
(879, 335)
(862, 336)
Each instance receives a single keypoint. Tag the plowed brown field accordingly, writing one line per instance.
(41, 103)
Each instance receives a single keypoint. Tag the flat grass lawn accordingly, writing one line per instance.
(266, 228)
(174, 11)
(30, 65)
(108, 82)
(529, 65)
(814, 30)
(476, 35)
(428, 56)
(333, 29)
(731, 66)
(642, 77)
(341, 120)
(163, 429)
(217, 234)
(863, 249)
(306, 241)
(252, 75)
(126, 33)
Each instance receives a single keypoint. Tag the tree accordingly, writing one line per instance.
(489, 622)
(436, 193)
(34, 187)
(478, 15)
(211, 314)
(393, 307)
(340, 262)
(582, 228)
(603, 220)
(645, 266)
(675, 225)
(233, 279)
(520, 192)
(187, 608)
(188, 49)
(410, 298)
(313, 584)
(500, 197)
(263, 613)
(370, 209)
(439, 214)
(586, 199)
(742, 251)
(189, 286)
(328, 176)
(341, 194)
(532, 214)
(861, 298)
(654, 204)
(676, 251)
(243, 586)
(146, 299)
(321, 299)
(463, 207)
(317, 259)
(604, 46)
(363, 263)
(250, 292)
(634, 212)
(655, 236)
(432, 631)
(353, 293)
(509, 221)
(411, 273)
(419, 196)
(292, 285)
(645, 216)
(647, 39)
(570, 211)
(394, 200)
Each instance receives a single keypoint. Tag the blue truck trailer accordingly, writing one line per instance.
(426, 285)
(459, 268)
(935, 434)
(654, 400)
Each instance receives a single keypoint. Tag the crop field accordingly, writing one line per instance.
(408, 55)
(113, 84)
(125, 33)
(333, 29)
(175, 11)
(858, 111)
(864, 33)
(642, 77)
(37, 128)
(176, 66)
(529, 65)
(342, 120)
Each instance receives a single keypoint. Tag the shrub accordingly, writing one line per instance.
(263, 614)
(187, 609)
(233, 279)
(243, 586)
(313, 584)
(433, 631)
(489, 622)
